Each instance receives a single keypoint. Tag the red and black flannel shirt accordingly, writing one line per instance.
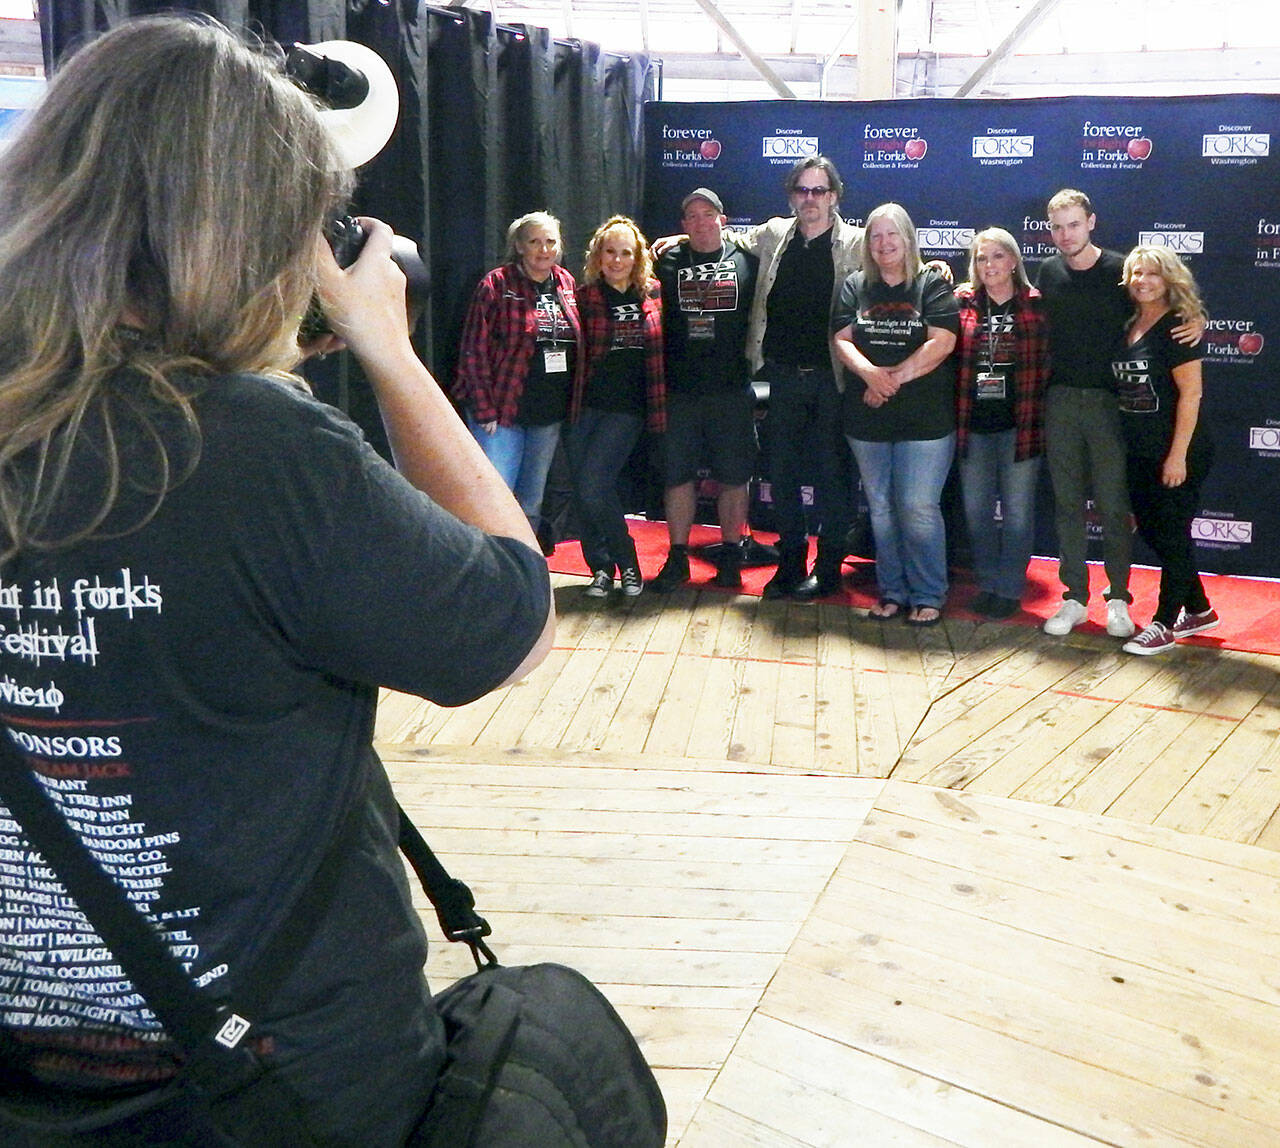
(1030, 367)
(500, 338)
(597, 338)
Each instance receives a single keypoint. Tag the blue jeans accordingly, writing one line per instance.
(522, 456)
(903, 483)
(988, 472)
(598, 446)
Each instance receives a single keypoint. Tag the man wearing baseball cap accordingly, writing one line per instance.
(707, 288)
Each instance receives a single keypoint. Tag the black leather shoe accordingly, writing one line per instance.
(791, 572)
(818, 585)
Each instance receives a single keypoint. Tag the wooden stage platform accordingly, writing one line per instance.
(854, 884)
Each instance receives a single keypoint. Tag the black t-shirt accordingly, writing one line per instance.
(1087, 310)
(545, 397)
(992, 387)
(889, 323)
(618, 381)
(1145, 388)
(706, 301)
(198, 695)
(799, 303)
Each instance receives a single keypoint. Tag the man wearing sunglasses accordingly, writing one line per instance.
(804, 261)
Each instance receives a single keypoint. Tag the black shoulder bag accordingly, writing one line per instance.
(536, 1056)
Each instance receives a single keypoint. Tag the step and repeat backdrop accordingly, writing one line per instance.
(1200, 175)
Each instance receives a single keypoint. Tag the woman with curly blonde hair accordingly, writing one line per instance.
(1158, 381)
(207, 576)
(619, 389)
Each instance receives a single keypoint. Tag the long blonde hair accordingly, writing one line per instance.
(172, 178)
(1184, 295)
(641, 269)
(897, 215)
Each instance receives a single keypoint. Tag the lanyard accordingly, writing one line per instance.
(993, 338)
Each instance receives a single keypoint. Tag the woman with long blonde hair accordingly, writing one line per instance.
(1160, 386)
(895, 325)
(619, 389)
(205, 577)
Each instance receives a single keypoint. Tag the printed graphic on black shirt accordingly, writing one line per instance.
(552, 325)
(890, 324)
(704, 289)
(55, 971)
(628, 326)
(1134, 386)
(995, 358)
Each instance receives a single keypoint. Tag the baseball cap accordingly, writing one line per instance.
(703, 193)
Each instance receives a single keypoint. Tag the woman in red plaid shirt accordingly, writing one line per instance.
(618, 390)
(1003, 353)
(519, 352)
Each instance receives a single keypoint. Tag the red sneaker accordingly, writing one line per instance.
(1155, 639)
(1188, 624)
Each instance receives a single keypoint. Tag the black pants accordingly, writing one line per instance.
(1164, 514)
(806, 443)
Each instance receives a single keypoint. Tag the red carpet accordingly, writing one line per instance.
(1249, 607)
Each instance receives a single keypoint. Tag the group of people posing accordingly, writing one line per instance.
(872, 357)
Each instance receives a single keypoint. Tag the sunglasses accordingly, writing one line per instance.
(805, 192)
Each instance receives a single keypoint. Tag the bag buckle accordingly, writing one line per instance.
(472, 937)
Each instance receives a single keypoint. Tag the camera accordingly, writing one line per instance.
(346, 239)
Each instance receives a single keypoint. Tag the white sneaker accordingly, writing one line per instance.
(1119, 624)
(1070, 614)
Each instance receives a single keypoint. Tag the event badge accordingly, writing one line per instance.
(702, 326)
(555, 362)
(990, 386)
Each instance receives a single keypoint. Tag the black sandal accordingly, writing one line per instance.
(914, 619)
(887, 607)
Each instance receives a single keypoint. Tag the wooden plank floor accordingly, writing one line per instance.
(856, 884)
(677, 888)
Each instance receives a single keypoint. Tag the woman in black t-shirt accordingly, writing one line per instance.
(1002, 356)
(1158, 382)
(894, 328)
(618, 387)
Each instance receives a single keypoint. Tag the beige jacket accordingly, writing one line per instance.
(767, 241)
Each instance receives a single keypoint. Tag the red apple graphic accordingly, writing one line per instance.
(916, 148)
(1139, 149)
(710, 149)
(1250, 342)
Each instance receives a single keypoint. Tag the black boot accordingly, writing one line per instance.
(826, 575)
(674, 572)
(729, 566)
(791, 569)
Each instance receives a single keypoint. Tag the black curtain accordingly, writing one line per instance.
(495, 121)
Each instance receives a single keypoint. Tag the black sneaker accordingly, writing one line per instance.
(600, 585)
(674, 573)
(632, 583)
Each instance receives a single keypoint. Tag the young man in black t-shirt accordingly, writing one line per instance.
(1087, 309)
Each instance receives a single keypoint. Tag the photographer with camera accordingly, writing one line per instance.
(205, 576)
